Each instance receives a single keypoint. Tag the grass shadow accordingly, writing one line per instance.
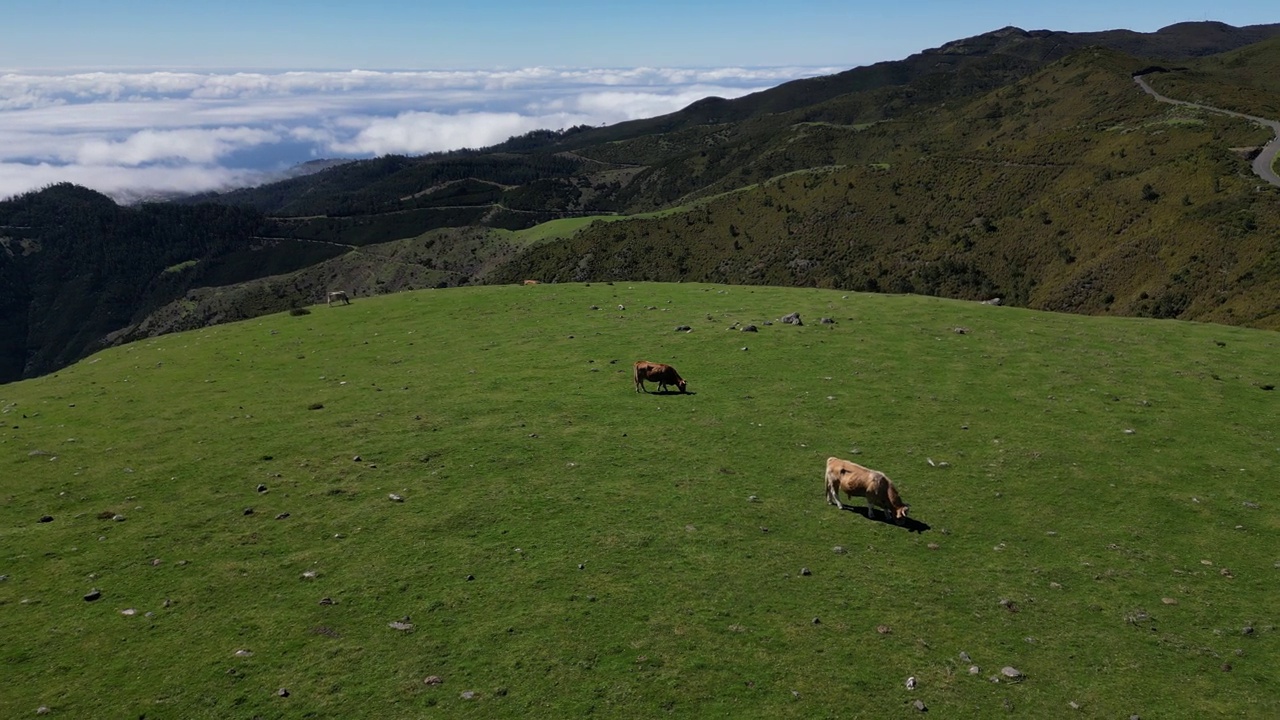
(910, 524)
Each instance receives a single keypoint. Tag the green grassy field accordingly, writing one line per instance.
(1094, 502)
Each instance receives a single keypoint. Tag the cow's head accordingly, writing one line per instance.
(682, 385)
(900, 514)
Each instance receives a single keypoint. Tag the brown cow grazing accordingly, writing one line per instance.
(530, 282)
(859, 481)
(664, 375)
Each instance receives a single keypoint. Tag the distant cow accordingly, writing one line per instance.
(339, 296)
(530, 282)
(857, 481)
(664, 375)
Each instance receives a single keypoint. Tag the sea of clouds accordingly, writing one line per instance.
(135, 135)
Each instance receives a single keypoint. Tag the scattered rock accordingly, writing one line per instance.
(118, 518)
(356, 459)
(129, 612)
(309, 575)
(683, 328)
(1073, 705)
(394, 497)
(919, 705)
(974, 670)
(262, 488)
(470, 578)
(1169, 601)
(753, 498)
(282, 516)
(1246, 630)
(471, 694)
(1009, 605)
(46, 518)
(827, 321)
(328, 601)
(960, 330)
(1011, 672)
(817, 621)
(750, 328)
(282, 692)
(42, 710)
(243, 653)
(1129, 431)
(884, 629)
(248, 511)
(911, 683)
(933, 546)
(1250, 505)
(92, 595)
(805, 571)
(792, 319)
(1226, 667)
(965, 656)
(399, 625)
(433, 680)
(839, 550)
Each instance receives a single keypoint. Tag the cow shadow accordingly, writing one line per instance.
(910, 524)
(670, 392)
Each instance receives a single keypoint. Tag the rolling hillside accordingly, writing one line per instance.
(1069, 191)
(453, 501)
(1019, 164)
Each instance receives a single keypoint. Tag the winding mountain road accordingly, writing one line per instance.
(1262, 165)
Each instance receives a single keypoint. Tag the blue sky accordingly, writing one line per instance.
(483, 34)
(137, 98)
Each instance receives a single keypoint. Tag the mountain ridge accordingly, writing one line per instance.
(946, 164)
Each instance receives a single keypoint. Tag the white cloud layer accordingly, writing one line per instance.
(134, 135)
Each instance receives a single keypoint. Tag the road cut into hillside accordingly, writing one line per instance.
(1262, 164)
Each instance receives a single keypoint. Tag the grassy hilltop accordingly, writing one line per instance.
(1096, 498)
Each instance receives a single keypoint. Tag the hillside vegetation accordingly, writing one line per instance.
(1068, 191)
(309, 515)
(1020, 164)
